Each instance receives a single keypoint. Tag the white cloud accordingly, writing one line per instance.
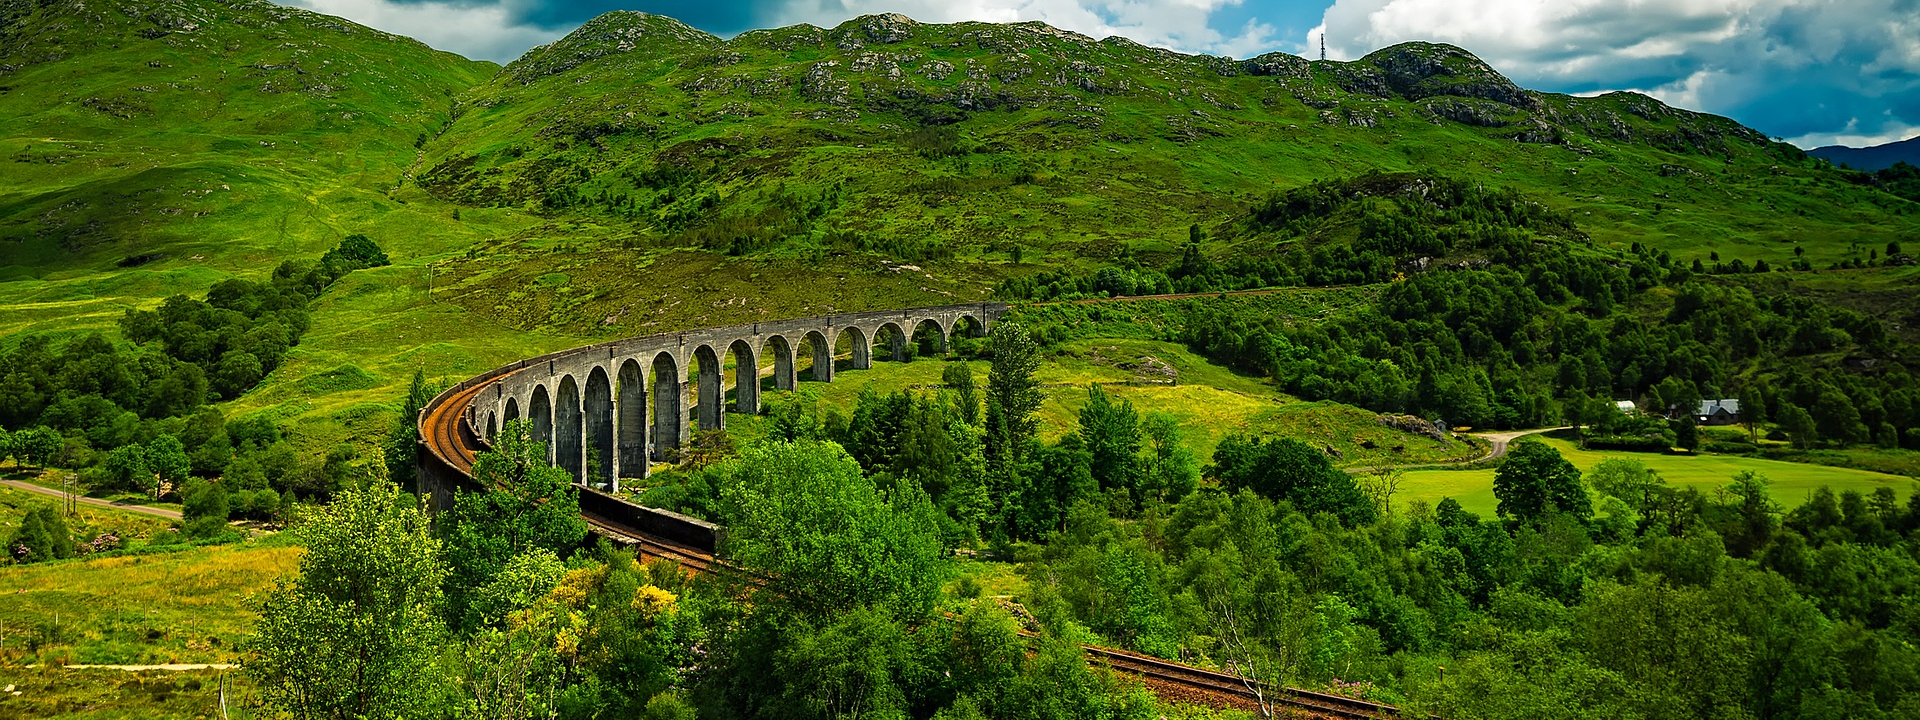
(1803, 68)
(1177, 24)
(482, 32)
(1890, 131)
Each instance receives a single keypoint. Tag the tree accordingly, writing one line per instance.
(205, 510)
(167, 457)
(356, 632)
(1626, 479)
(403, 442)
(356, 252)
(1168, 466)
(1686, 433)
(1799, 425)
(236, 373)
(124, 468)
(827, 537)
(1756, 514)
(1287, 469)
(1382, 484)
(1753, 410)
(42, 535)
(529, 505)
(1111, 431)
(958, 377)
(1013, 396)
(6, 444)
(1680, 656)
(1836, 418)
(1534, 481)
(37, 446)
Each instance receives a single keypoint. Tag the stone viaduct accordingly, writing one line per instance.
(606, 411)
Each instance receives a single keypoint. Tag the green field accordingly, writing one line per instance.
(185, 606)
(112, 694)
(1792, 482)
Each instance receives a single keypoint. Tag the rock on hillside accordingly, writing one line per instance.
(622, 32)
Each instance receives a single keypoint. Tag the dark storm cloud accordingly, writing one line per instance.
(1813, 71)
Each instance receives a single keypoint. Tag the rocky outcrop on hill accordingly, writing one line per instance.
(1417, 426)
(1417, 71)
(615, 33)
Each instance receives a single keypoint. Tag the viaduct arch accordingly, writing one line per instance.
(606, 411)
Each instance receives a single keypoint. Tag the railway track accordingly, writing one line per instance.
(445, 440)
(1223, 685)
(648, 545)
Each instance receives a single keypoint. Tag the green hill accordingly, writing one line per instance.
(202, 139)
(952, 145)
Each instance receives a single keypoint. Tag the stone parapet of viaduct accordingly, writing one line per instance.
(607, 411)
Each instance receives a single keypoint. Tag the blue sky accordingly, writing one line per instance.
(1814, 72)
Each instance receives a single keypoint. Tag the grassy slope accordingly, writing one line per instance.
(221, 139)
(1792, 482)
(1080, 151)
(186, 606)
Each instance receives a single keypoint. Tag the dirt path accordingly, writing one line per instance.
(95, 502)
(1499, 442)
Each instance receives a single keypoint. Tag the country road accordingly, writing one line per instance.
(95, 502)
(1498, 442)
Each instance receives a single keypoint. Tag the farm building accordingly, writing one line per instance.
(1718, 412)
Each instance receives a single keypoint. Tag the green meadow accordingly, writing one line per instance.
(1792, 482)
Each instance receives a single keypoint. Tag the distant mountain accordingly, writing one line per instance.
(1878, 157)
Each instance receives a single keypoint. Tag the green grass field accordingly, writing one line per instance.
(185, 606)
(1792, 482)
(47, 693)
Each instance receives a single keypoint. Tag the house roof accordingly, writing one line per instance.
(1709, 407)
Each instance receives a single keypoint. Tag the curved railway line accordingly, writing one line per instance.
(452, 443)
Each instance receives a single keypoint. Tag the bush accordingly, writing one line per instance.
(1728, 448)
(42, 535)
(1631, 443)
(356, 252)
